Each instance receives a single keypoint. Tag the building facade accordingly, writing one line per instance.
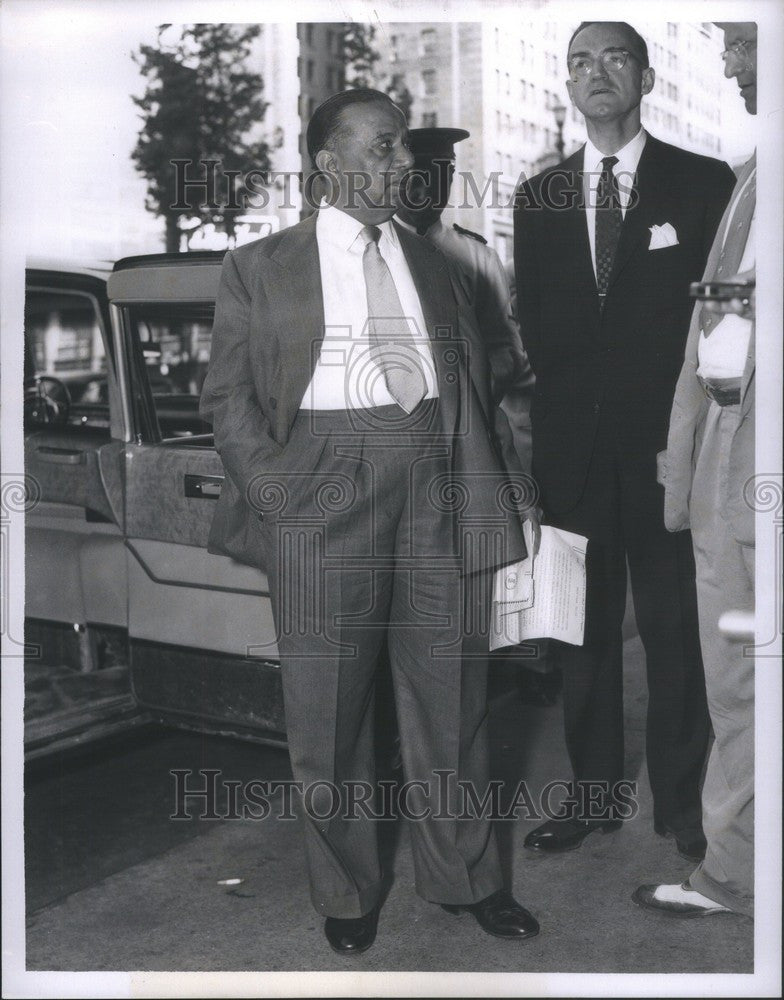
(501, 80)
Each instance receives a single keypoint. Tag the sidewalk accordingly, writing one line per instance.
(169, 912)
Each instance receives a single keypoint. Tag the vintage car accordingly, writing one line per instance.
(128, 618)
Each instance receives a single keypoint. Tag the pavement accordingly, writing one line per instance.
(170, 907)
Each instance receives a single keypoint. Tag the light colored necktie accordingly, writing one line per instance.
(392, 347)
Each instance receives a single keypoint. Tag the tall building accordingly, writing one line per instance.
(501, 80)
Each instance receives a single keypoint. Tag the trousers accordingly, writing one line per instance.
(360, 552)
(725, 581)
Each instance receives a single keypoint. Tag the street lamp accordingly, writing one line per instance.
(559, 113)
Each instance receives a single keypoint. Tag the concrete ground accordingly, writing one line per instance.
(165, 908)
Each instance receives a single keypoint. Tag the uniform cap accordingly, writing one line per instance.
(435, 143)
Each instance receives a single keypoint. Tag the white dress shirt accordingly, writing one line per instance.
(628, 159)
(344, 376)
(723, 353)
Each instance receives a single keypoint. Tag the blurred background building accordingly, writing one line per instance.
(502, 79)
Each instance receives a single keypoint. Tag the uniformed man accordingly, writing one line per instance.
(487, 286)
(480, 268)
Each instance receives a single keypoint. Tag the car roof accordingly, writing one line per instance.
(167, 277)
(87, 268)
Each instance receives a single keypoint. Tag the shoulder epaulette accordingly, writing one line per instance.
(467, 232)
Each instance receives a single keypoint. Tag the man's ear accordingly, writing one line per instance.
(648, 79)
(569, 90)
(326, 161)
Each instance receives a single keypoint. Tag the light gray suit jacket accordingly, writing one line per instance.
(689, 410)
(269, 325)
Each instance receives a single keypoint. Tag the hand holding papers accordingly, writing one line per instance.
(542, 597)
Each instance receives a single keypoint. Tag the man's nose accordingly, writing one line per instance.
(599, 69)
(404, 159)
(732, 64)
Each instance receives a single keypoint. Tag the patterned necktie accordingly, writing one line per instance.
(392, 347)
(735, 239)
(608, 224)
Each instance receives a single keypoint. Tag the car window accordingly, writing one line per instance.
(175, 342)
(65, 364)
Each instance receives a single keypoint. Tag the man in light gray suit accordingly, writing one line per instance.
(350, 396)
(707, 471)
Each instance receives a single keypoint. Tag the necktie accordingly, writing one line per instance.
(392, 347)
(608, 224)
(735, 239)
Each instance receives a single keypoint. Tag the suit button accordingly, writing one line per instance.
(261, 516)
(596, 407)
(273, 402)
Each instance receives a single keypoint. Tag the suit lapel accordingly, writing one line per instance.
(574, 245)
(436, 296)
(296, 307)
(641, 216)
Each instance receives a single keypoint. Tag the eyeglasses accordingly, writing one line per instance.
(612, 59)
(739, 49)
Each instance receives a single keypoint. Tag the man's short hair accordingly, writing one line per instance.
(639, 42)
(327, 121)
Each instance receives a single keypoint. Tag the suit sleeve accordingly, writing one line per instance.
(229, 399)
(526, 273)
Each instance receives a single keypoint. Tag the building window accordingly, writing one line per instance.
(309, 34)
(429, 119)
(429, 82)
(428, 41)
(393, 57)
(309, 70)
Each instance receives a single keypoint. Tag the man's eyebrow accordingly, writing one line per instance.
(609, 48)
(384, 135)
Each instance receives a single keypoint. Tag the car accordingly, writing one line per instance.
(128, 617)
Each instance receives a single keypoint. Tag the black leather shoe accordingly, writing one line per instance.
(351, 936)
(690, 842)
(500, 915)
(558, 835)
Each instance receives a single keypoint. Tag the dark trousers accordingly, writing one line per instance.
(621, 513)
(361, 552)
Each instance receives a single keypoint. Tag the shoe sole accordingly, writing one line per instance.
(678, 914)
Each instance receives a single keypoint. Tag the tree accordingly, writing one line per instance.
(360, 57)
(201, 104)
(359, 54)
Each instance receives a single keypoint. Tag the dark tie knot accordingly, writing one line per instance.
(608, 162)
(371, 234)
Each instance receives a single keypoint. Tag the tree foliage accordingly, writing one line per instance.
(201, 102)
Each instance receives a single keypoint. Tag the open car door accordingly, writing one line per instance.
(200, 626)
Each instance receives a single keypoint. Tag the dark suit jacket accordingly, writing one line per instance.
(269, 325)
(624, 360)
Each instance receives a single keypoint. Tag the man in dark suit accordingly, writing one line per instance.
(606, 245)
(350, 397)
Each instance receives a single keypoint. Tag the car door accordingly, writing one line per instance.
(200, 625)
(77, 680)
(75, 563)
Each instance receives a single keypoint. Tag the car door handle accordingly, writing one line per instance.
(64, 456)
(203, 487)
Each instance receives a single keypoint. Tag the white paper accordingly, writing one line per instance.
(542, 597)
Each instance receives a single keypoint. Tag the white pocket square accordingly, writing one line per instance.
(663, 236)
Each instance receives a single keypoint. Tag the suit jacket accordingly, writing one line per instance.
(269, 325)
(689, 409)
(623, 360)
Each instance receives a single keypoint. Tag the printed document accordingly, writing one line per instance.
(542, 597)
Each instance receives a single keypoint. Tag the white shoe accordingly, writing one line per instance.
(677, 900)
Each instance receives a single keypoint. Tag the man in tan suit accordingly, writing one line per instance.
(708, 465)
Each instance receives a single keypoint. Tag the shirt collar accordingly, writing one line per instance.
(342, 230)
(628, 155)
